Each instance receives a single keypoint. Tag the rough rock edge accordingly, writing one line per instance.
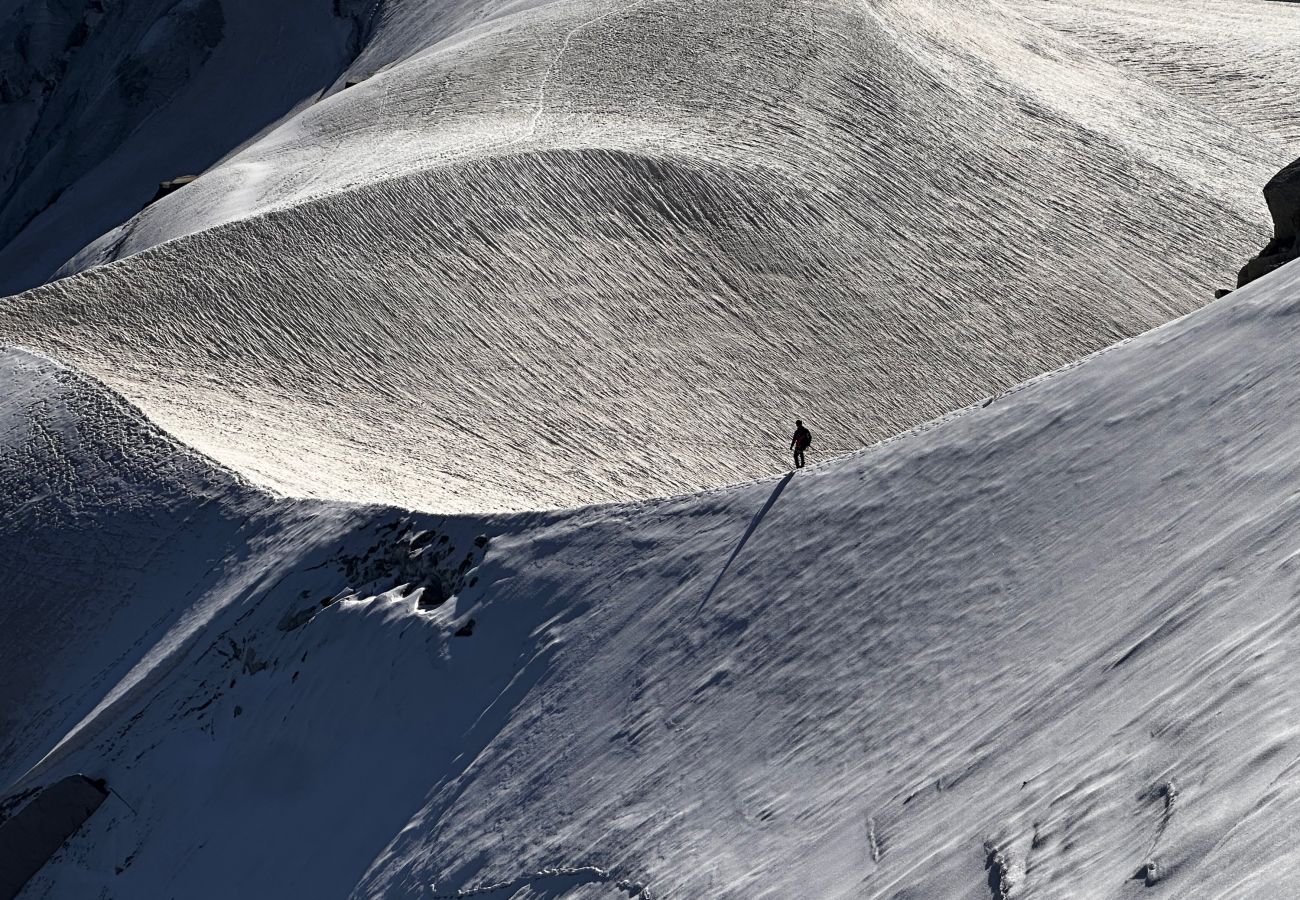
(1282, 194)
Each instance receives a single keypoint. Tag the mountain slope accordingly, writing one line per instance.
(569, 252)
(1043, 646)
(85, 484)
(102, 100)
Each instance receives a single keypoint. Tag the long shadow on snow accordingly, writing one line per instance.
(753, 526)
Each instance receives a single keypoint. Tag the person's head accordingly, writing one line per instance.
(798, 423)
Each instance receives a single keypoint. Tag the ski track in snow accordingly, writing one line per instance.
(555, 61)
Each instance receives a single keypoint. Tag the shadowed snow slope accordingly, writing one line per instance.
(567, 252)
(1055, 635)
(101, 100)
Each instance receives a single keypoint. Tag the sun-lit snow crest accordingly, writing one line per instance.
(560, 253)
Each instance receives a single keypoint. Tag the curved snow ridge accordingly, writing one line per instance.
(1006, 656)
(455, 102)
(482, 91)
(117, 422)
(84, 476)
(692, 250)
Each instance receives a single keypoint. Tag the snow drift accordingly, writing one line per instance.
(1043, 647)
(546, 254)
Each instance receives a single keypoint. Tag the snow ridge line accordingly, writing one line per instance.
(921, 427)
(635, 890)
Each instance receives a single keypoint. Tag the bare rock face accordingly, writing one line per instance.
(1282, 193)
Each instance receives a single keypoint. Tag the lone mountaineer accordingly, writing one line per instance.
(800, 441)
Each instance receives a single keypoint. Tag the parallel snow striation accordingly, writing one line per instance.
(591, 251)
(1041, 648)
(133, 567)
(1236, 58)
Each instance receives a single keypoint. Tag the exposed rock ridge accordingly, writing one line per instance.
(1282, 194)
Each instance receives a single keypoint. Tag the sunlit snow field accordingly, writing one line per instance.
(1055, 635)
(574, 252)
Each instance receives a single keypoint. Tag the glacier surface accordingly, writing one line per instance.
(547, 254)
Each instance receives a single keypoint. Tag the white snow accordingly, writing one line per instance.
(550, 253)
(1055, 634)
(559, 253)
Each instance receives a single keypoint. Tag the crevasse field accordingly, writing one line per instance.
(293, 462)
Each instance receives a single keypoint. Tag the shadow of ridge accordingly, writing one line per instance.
(753, 526)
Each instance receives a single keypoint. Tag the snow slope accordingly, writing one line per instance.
(1040, 648)
(101, 100)
(106, 531)
(554, 253)
(1234, 57)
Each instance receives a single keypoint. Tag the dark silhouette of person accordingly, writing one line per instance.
(800, 441)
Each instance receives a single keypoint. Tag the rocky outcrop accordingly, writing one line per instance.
(171, 186)
(1282, 194)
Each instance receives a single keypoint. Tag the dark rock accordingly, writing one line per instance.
(1282, 194)
(465, 630)
(172, 186)
(1221, 293)
(434, 595)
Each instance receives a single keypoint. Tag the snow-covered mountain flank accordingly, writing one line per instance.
(554, 253)
(103, 99)
(297, 598)
(1041, 648)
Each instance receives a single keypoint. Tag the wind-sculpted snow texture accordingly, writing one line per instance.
(78, 488)
(585, 251)
(1236, 58)
(1040, 648)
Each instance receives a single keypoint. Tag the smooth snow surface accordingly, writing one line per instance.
(553, 253)
(1044, 648)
